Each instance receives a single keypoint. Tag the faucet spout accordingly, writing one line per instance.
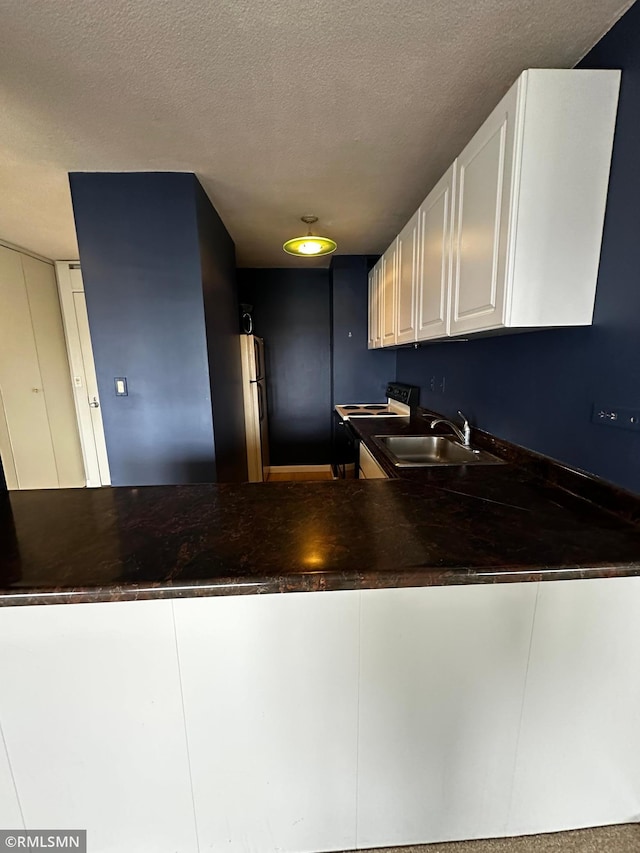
(464, 434)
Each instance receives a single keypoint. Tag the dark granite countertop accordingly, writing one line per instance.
(523, 521)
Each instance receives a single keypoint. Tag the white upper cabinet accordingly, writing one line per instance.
(435, 220)
(510, 237)
(407, 284)
(530, 203)
(387, 295)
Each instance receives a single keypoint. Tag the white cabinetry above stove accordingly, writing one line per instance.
(509, 238)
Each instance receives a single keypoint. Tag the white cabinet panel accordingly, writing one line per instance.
(388, 285)
(563, 177)
(579, 754)
(434, 267)
(483, 208)
(442, 680)
(92, 714)
(10, 815)
(407, 265)
(270, 693)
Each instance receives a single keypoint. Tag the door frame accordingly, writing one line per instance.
(90, 426)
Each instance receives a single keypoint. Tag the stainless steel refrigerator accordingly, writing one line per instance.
(255, 407)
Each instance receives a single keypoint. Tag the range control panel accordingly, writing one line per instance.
(407, 394)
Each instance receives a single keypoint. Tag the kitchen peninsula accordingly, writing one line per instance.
(411, 695)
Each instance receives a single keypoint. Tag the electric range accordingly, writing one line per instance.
(400, 400)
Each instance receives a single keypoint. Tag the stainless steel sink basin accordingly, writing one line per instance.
(413, 451)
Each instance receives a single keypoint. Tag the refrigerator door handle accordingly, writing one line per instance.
(260, 404)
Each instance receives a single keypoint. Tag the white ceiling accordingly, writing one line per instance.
(346, 109)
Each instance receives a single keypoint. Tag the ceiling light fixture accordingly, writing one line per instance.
(310, 246)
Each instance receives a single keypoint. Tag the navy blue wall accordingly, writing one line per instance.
(359, 375)
(537, 389)
(140, 251)
(292, 313)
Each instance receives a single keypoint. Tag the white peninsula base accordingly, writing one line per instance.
(323, 721)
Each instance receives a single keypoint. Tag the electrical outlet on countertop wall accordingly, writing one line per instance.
(437, 384)
(621, 417)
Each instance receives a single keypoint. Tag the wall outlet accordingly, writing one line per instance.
(436, 384)
(620, 417)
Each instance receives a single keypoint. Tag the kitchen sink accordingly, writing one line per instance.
(413, 451)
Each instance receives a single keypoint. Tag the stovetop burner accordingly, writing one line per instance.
(400, 399)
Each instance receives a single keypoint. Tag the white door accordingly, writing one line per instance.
(407, 265)
(31, 461)
(388, 294)
(434, 268)
(83, 373)
(483, 206)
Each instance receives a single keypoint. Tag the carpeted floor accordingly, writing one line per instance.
(605, 839)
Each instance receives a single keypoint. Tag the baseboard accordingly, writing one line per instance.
(299, 469)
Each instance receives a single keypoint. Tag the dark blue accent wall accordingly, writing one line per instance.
(291, 311)
(359, 375)
(146, 245)
(537, 389)
(220, 291)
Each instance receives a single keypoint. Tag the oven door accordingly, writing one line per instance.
(344, 449)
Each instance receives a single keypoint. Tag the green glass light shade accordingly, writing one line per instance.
(310, 246)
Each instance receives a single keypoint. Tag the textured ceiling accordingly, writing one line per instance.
(346, 109)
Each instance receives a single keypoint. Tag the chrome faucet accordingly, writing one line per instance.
(463, 434)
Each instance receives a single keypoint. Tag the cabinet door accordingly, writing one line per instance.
(407, 265)
(434, 255)
(388, 295)
(270, 696)
(482, 220)
(375, 339)
(369, 468)
(25, 410)
(373, 309)
(379, 302)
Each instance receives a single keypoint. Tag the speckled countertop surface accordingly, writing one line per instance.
(458, 525)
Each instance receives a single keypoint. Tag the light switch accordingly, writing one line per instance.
(121, 386)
